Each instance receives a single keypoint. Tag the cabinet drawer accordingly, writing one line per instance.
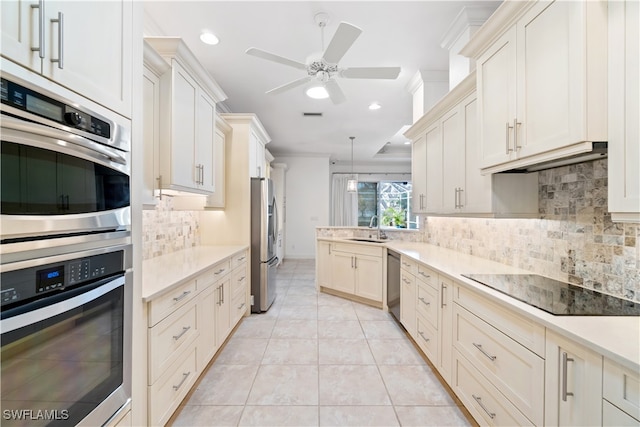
(514, 370)
(483, 400)
(621, 386)
(408, 264)
(221, 269)
(238, 259)
(427, 338)
(529, 334)
(358, 249)
(238, 308)
(239, 281)
(614, 416)
(427, 275)
(427, 303)
(162, 306)
(167, 393)
(170, 337)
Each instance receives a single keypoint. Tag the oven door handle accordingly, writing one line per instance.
(99, 150)
(30, 317)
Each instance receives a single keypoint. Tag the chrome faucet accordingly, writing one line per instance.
(380, 234)
(371, 222)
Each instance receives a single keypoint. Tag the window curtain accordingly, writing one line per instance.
(345, 204)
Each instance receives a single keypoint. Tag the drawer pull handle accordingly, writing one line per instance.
(241, 305)
(242, 278)
(422, 273)
(405, 280)
(184, 331)
(492, 415)
(482, 350)
(242, 258)
(219, 271)
(423, 300)
(184, 294)
(423, 337)
(565, 360)
(185, 375)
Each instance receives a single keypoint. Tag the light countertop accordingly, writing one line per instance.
(616, 337)
(161, 274)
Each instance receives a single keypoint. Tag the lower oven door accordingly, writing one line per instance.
(63, 363)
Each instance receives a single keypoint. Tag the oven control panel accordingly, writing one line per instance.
(34, 282)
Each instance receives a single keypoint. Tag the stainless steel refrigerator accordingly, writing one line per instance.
(264, 234)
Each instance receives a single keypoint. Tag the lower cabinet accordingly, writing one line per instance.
(574, 382)
(355, 269)
(621, 394)
(445, 328)
(573, 393)
(408, 301)
(187, 326)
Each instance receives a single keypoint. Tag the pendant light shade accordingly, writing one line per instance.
(352, 183)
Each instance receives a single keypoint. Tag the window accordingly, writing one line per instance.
(389, 201)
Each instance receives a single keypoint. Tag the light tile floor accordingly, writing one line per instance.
(318, 360)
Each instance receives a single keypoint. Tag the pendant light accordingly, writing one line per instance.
(352, 183)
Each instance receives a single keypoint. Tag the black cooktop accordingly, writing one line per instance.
(557, 297)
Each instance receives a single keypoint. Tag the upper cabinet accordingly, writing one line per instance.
(624, 110)
(84, 46)
(446, 164)
(223, 132)
(257, 152)
(542, 81)
(187, 125)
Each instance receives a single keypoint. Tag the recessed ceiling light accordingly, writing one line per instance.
(407, 142)
(317, 92)
(374, 106)
(209, 38)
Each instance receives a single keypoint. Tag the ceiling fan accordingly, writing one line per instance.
(325, 69)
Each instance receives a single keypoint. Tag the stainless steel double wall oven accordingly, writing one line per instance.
(66, 264)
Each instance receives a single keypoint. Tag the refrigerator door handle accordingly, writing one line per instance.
(274, 261)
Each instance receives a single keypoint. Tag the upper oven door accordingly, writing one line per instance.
(57, 183)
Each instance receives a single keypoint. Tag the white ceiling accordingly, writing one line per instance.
(395, 33)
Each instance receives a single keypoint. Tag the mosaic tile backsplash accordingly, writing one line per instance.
(574, 239)
(165, 230)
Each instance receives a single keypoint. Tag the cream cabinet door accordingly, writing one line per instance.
(573, 383)
(205, 143)
(419, 174)
(551, 77)
(368, 272)
(223, 310)
(624, 110)
(323, 264)
(453, 159)
(445, 328)
(496, 74)
(217, 199)
(151, 141)
(434, 168)
(342, 272)
(184, 98)
(207, 345)
(21, 26)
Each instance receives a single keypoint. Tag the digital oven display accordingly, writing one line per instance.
(49, 279)
(43, 108)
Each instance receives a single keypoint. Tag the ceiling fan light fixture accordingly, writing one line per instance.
(317, 92)
(374, 106)
(209, 38)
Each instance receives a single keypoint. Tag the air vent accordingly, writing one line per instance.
(312, 114)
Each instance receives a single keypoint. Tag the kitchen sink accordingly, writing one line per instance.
(364, 239)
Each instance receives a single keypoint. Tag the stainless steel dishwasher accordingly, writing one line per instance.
(393, 283)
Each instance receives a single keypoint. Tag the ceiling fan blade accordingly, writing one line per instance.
(342, 40)
(275, 58)
(371, 73)
(335, 93)
(289, 85)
